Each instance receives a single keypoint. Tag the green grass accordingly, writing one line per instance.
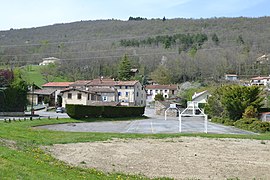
(32, 74)
(28, 161)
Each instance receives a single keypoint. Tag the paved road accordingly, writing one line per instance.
(156, 124)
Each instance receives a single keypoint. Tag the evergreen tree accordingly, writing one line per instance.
(215, 39)
(124, 69)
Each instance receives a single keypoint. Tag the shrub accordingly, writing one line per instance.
(245, 123)
(82, 111)
(221, 120)
(259, 126)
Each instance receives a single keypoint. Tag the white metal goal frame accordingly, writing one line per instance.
(193, 106)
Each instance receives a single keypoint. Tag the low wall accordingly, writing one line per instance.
(12, 114)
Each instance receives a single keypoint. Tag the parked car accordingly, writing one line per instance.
(60, 110)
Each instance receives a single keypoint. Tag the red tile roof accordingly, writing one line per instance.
(111, 82)
(57, 84)
(260, 78)
(170, 86)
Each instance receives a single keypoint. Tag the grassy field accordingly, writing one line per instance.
(22, 158)
(32, 74)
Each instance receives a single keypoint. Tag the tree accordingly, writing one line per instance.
(14, 97)
(159, 97)
(215, 39)
(48, 72)
(124, 69)
(161, 75)
(234, 101)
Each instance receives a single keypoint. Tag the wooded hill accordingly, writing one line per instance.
(182, 49)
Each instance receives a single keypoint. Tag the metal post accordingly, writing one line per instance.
(205, 124)
(32, 104)
(166, 115)
(180, 123)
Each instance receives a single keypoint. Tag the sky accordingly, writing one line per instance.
(19, 14)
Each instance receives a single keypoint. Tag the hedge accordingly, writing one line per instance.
(83, 111)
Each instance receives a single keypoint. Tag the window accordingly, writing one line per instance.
(165, 96)
(156, 90)
(69, 96)
(126, 94)
(79, 96)
(119, 93)
(172, 91)
(165, 90)
(104, 98)
(88, 97)
(126, 87)
(137, 94)
(93, 97)
(120, 87)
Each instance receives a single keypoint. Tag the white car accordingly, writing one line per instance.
(60, 110)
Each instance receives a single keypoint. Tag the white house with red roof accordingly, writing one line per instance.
(168, 91)
(260, 80)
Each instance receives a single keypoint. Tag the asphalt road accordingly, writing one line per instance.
(155, 124)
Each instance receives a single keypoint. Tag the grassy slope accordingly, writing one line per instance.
(32, 74)
(30, 162)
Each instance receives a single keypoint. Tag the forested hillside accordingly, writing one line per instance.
(182, 49)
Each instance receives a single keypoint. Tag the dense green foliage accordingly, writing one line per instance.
(13, 98)
(89, 49)
(232, 101)
(159, 97)
(82, 111)
(124, 69)
(183, 41)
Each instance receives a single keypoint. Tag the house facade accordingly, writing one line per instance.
(131, 93)
(168, 91)
(231, 77)
(260, 81)
(201, 97)
(49, 60)
(57, 86)
(79, 96)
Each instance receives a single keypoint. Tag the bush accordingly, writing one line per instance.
(259, 126)
(225, 121)
(82, 111)
(245, 123)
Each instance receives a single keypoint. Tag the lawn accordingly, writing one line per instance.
(32, 74)
(22, 158)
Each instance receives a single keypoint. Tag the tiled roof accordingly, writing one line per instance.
(260, 78)
(81, 83)
(57, 84)
(76, 89)
(44, 91)
(170, 86)
(111, 82)
(126, 83)
(102, 90)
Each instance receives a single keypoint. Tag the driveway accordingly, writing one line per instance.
(155, 124)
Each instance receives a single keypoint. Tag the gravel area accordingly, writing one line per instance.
(184, 157)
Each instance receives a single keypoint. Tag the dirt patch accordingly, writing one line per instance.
(185, 157)
(8, 143)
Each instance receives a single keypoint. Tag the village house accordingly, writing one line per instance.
(79, 96)
(130, 93)
(201, 97)
(41, 96)
(231, 77)
(168, 91)
(57, 86)
(260, 81)
(49, 60)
